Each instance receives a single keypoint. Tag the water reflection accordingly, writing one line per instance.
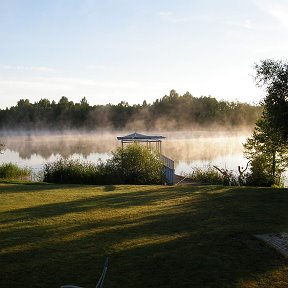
(186, 148)
(46, 146)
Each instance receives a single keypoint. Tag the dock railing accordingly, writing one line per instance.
(169, 169)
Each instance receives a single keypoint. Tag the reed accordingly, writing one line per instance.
(13, 171)
(73, 171)
(208, 175)
(132, 165)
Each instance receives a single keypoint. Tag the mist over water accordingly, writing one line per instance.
(187, 148)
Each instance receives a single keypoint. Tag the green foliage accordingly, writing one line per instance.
(267, 148)
(134, 164)
(268, 154)
(12, 171)
(259, 174)
(172, 111)
(273, 76)
(211, 175)
(73, 171)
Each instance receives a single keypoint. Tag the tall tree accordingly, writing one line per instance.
(267, 153)
(273, 76)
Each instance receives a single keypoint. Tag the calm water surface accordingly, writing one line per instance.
(187, 148)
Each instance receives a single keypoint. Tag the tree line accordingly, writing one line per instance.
(172, 111)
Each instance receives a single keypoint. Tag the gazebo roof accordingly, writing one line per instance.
(140, 137)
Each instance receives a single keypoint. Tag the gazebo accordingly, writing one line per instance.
(148, 139)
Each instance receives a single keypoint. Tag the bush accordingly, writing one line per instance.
(207, 175)
(259, 175)
(73, 171)
(12, 171)
(212, 175)
(134, 164)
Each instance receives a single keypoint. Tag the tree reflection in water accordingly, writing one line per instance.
(186, 148)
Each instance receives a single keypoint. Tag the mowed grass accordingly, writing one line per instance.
(154, 236)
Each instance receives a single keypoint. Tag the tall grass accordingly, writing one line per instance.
(207, 175)
(133, 164)
(74, 171)
(210, 175)
(13, 171)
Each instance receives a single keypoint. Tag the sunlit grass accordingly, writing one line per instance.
(154, 236)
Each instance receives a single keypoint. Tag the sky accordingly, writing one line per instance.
(134, 50)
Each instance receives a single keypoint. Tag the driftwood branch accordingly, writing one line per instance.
(222, 171)
(241, 170)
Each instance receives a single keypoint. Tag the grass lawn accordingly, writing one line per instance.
(154, 236)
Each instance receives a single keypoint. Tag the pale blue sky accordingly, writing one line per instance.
(131, 50)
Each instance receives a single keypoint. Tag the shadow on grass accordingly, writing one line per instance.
(159, 237)
(20, 187)
(111, 201)
(109, 188)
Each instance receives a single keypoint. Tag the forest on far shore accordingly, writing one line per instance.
(170, 112)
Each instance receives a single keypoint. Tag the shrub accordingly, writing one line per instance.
(260, 175)
(207, 175)
(73, 171)
(13, 171)
(133, 164)
(212, 175)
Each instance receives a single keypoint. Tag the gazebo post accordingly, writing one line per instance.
(136, 137)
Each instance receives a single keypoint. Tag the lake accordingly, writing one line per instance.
(187, 148)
